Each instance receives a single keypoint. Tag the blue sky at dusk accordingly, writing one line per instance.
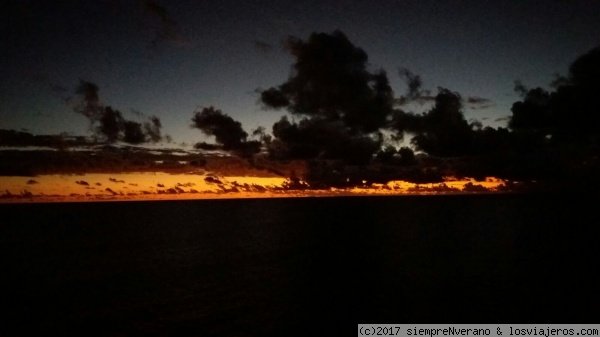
(202, 53)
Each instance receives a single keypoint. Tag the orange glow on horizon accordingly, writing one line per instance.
(165, 186)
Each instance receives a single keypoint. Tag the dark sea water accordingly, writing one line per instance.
(296, 267)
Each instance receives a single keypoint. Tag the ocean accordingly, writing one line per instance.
(296, 266)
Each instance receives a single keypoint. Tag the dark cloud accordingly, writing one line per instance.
(475, 124)
(531, 113)
(470, 187)
(109, 190)
(340, 103)
(152, 130)
(520, 88)
(439, 188)
(559, 81)
(25, 139)
(553, 133)
(413, 82)
(132, 132)
(479, 103)
(405, 156)
(263, 46)
(313, 138)
(109, 124)
(568, 115)
(89, 105)
(166, 30)
(207, 146)
(442, 131)
(340, 109)
(274, 98)
(213, 180)
(584, 72)
(483, 106)
(330, 81)
(478, 100)
(414, 91)
(227, 131)
(445, 132)
(387, 154)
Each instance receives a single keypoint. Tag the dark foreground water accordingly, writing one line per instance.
(287, 267)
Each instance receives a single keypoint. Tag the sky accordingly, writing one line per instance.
(171, 58)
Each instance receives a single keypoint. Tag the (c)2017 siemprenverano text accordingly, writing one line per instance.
(478, 330)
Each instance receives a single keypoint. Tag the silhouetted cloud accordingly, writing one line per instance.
(109, 190)
(414, 91)
(167, 29)
(213, 180)
(442, 131)
(152, 129)
(405, 156)
(335, 87)
(439, 188)
(413, 82)
(25, 139)
(482, 107)
(470, 187)
(109, 123)
(533, 112)
(207, 146)
(317, 138)
(479, 103)
(263, 46)
(274, 98)
(446, 132)
(132, 132)
(520, 88)
(567, 116)
(338, 111)
(227, 132)
(90, 105)
(478, 100)
(559, 81)
(340, 103)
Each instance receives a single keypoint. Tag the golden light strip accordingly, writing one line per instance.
(164, 186)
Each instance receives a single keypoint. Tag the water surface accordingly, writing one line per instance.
(286, 266)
